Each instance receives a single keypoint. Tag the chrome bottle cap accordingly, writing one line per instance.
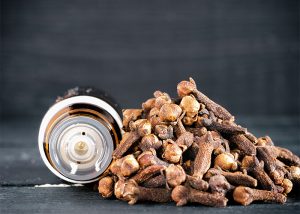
(77, 137)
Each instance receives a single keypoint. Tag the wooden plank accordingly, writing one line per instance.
(84, 200)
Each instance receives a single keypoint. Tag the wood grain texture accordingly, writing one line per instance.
(244, 55)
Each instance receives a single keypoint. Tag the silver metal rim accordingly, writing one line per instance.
(61, 105)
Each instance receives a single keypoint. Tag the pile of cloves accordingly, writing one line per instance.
(190, 150)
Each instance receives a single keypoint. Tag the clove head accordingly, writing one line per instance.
(185, 88)
(148, 104)
(147, 158)
(189, 121)
(180, 195)
(175, 175)
(287, 185)
(164, 132)
(226, 161)
(130, 115)
(243, 195)
(150, 141)
(172, 152)
(161, 99)
(125, 166)
(265, 141)
(190, 105)
(127, 190)
(143, 126)
(106, 186)
(219, 184)
(129, 165)
(169, 112)
(295, 171)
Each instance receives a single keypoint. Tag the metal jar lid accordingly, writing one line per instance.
(78, 135)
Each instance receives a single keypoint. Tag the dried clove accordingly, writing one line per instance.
(125, 166)
(226, 128)
(183, 195)
(226, 161)
(164, 132)
(287, 156)
(130, 115)
(106, 186)
(147, 173)
(140, 128)
(169, 112)
(252, 165)
(219, 185)
(185, 88)
(149, 158)
(157, 181)
(175, 175)
(172, 152)
(234, 178)
(202, 161)
(150, 141)
(189, 149)
(246, 195)
(131, 192)
(244, 144)
(275, 171)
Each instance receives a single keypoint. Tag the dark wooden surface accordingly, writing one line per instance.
(22, 168)
(243, 54)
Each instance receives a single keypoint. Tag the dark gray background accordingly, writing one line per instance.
(243, 54)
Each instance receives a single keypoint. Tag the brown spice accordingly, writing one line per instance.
(246, 195)
(131, 192)
(183, 195)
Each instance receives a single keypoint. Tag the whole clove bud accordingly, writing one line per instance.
(175, 175)
(139, 129)
(190, 105)
(246, 195)
(169, 112)
(106, 186)
(150, 141)
(148, 104)
(161, 99)
(131, 192)
(164, 132)
(226, 161)
(172, 152)
(287, 186)
(185, 88)
(125, 166)
(183, 195)
(130, 115)
(219, 184)
(149, 158)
